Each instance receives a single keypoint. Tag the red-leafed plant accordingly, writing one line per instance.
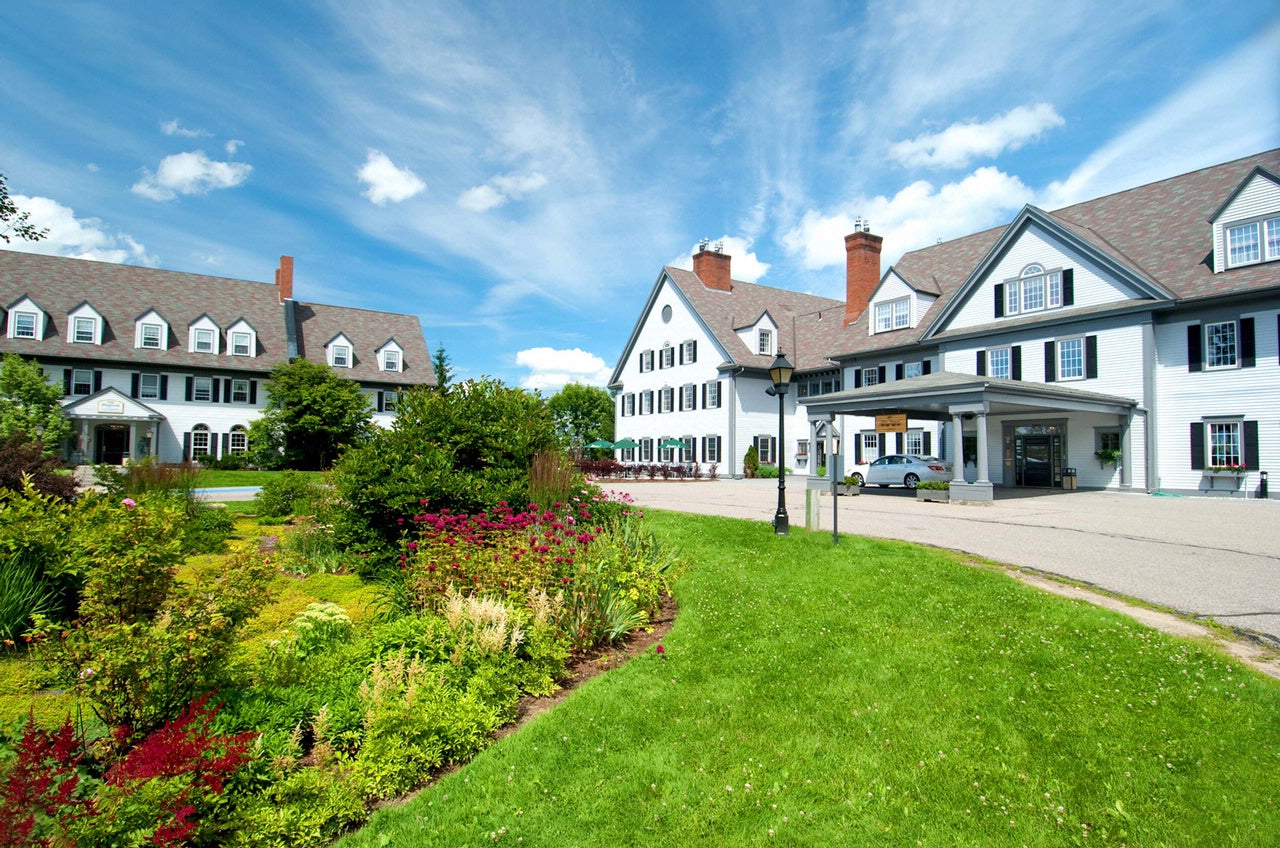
(38, 797)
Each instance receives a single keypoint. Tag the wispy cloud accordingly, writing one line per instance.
(497, 191)
(190, 173)
(550, 369)
(745, 265)
(960, 144)
(173, 127)
(233, 146)
(385, 182)
(81, 238)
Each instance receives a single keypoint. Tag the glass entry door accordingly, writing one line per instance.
(1038, 459)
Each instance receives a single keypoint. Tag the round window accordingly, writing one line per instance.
(666, 314)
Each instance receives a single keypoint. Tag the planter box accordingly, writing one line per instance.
(1223, 480)
(823, 485)
(935, 495)
(842, 489)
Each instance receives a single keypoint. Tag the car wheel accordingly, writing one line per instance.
(857, 479)
(911, 481)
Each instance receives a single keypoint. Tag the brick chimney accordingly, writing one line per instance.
(712, 267)
(862, 270)
(284, 278)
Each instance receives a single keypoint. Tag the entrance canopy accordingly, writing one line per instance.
(941, 396)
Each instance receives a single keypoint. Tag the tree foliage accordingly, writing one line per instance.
(14, 222)
(30, 406)
(311, 415)
(464, 451)
(582, 414)
(444, 370)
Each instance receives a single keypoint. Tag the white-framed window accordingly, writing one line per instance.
(1071, 359)
(870, 376)
(1035, 290)
(870, 446)
(646, 361)
(241, 344)
(1224, 443)
(82, 382)
(390, 401)
(667, 357)
(1221, 349)
(199, 441)
(713, 394)
(86, 331)
(151, 336)
(341, 356)
(203, 340)
(686, 452)
(666, 399)
(391, 360)
(646, 450)
(646, 402)
(239, 443)
(1253, 241)
(202, 389)
(689, 352)
(24, 325)
(893, 314)
(802, 447)
(913, 369)
(764, 342)
(712, 443)
(149, 386)
(765, 448)
(629, 404)
(913, 442)
(628, 454)
(239, 391)
(688, 396)
(999, 364)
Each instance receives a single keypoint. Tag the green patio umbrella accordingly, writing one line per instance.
(600, 444)
(626, 444)
(674, 444)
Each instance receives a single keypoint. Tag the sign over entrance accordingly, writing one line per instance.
(896, 423)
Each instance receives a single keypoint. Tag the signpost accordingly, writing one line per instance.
(892, 423)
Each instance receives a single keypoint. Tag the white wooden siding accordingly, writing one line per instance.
(1260, 197)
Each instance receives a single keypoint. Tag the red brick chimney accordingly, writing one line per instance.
(862, 271)
(284, 278)
(712, 267)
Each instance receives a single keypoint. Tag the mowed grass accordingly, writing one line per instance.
(214, 478)
(875, 694)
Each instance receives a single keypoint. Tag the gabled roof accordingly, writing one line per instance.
(318, 324)
(1258, 171)
(1156, 232)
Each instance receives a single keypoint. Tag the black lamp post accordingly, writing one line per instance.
(780, 372)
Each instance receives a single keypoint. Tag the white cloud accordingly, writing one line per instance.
(960, 144)
(233, 146)
(190, 173)
(744, 265)
(81, 238)
(387, 182)
(550, 369)
(175, 128)
(916, 216)
(499, 190)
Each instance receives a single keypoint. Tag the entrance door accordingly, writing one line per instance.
(112, 444)
(1037, 459)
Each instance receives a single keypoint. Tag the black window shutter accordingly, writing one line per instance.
(1248, 350)
(164, 387)
(381, 402)
(999, 300)
(1197, 445)
(1195, 348)
(704, 396)
(66, 381)
(1091, 357)
(133, 385)
(694, 351)
(928, 443)
(880, 374)
(880, 443)
(97, 381)
(226, 443)
(186, 446)
(982, 363)
(253, 391)
(1050, 362)
(1251, 445)
(1015, 362)
(704, 448)
(190, 381)
(682, 354)
(214, 395)
(680, 403)
(1068, 286)
(897, 371)
(926, 367)
(857, 379)
(857, 450)
(897, 442)
(717, 448)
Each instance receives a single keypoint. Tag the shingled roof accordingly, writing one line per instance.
(1159, 231)
(318, 324)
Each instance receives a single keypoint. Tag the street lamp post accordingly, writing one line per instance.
(780, 372)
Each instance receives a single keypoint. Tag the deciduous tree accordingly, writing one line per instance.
(13, 222)
(582, 414)
(30, 405)
(311, 415)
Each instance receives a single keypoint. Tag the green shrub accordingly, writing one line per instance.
(770, 472)
(307, 808)
(228, 462)
(936, 485)
(20, 458)
(207, 531)
(287, 494)
(309, 547)
(36, 573)
(751, 462)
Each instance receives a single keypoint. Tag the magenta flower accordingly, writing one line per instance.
(129, 503)
(661, 650)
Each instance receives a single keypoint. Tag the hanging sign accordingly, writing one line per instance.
(896, 423)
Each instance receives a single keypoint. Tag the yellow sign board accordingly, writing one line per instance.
(896, 423)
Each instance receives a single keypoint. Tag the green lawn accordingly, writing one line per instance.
(212, 478)
(875, 694)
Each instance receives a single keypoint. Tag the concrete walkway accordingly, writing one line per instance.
(1208, 558)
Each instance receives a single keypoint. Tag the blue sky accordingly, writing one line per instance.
(517, 173)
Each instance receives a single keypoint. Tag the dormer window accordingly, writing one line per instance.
(1255, 241)
(203, 341)
(1035, 290)
(85, 330)
(84, 325)
(242, 339)
(23, 325)
(151, 331)
(893, 314)
(764, 342)
(339, 352)
(26, 320)
(390, 356)
(202, 335)
(241, 344)
(150, 336)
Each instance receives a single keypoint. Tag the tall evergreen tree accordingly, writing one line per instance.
(444, 371)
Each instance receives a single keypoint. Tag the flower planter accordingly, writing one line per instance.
(1223, 480)
(935, 495)
(848, 489)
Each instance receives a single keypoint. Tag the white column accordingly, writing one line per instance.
(982, 449)
(957, 448)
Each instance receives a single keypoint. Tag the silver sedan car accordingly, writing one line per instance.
(900, 469)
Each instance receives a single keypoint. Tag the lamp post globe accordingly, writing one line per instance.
(780, 373)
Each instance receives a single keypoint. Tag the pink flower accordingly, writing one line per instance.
(661, 650)
(129, 503)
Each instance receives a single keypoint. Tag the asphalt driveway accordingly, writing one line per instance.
(1209, 558)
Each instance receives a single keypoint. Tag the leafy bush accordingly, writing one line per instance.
(42, 793)
(307, 808)
(228, 462)
(148, 477)
(20, 459)
(770, 472)
(751, 462)
(938, 485)
(207, 531)
(308, 547)
(25, 592)
(287, 494)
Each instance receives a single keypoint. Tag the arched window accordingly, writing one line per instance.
(199, 441)
(239, 440)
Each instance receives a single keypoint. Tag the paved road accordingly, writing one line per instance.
(1213, 558)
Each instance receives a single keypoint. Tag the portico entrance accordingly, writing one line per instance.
(1038, 457)
(111, 443)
